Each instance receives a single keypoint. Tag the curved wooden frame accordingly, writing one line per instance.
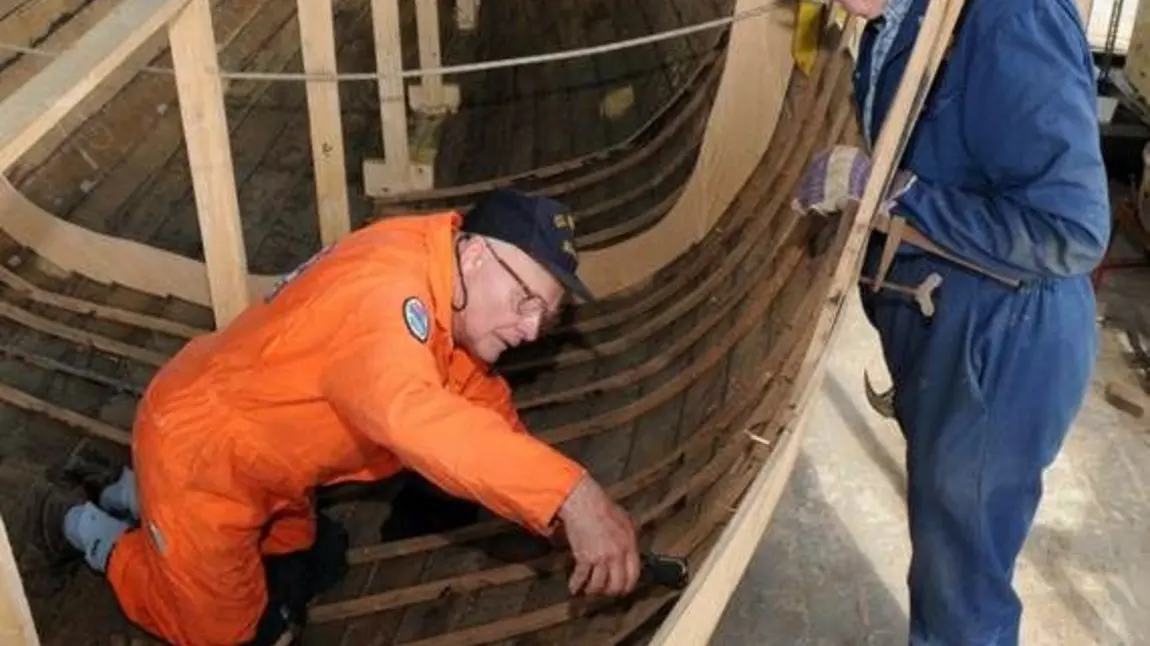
(781, 266)
(669, 143)
(695, 617)
(777, 268)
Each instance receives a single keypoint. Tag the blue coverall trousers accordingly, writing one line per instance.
(986, 390)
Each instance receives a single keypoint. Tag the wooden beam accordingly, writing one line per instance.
(466, 14)
(431, 95)
(39, 104)
(16, 626)
(317, 35)
(1085, 7)
(210, 157)
(389, 62)
(695, 616)
(395, 173)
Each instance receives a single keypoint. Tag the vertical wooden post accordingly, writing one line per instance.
(431, 95)
(1137, 68)
(317, 35)
(1085, 7)
(395, 173)
(16, 626)
(466, 14)
(201, 99)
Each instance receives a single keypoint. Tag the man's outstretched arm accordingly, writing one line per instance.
(385, 383)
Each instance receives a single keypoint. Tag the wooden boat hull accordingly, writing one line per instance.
(674, 390)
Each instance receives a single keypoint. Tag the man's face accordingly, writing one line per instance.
(511, 299)
(865, 8)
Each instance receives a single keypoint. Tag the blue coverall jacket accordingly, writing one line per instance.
(1010, 176)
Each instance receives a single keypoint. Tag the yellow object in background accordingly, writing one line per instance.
(808, 30)
(838, 15)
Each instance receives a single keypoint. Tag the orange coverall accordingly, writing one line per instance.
(323, 382)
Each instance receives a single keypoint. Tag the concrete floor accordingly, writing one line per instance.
(831, 567)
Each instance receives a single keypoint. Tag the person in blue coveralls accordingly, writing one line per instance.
(1005, 171)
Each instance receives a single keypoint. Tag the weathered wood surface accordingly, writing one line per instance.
(656, 389)
(137, 184)
(652, 389)
(124, 170)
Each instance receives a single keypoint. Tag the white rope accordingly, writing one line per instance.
(458, 69)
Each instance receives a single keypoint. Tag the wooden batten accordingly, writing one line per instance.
(466, 14)
(317, 35)
(209, 155)
(396, 172)
(431, 95)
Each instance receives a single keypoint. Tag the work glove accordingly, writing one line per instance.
(837, 177)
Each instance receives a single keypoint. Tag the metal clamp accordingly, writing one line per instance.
(898, 231)
(923, 293)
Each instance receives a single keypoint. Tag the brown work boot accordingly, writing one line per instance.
(91, 468)
(46, 559)
(47, 506)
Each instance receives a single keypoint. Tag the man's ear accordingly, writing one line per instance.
(471, 255)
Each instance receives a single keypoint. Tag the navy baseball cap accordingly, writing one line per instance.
(540, 226)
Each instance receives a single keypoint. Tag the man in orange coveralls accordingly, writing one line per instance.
(371, 358)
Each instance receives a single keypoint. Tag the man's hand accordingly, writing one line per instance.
(603, 540)
(837, 177)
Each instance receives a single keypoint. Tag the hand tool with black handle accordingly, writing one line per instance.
(664, 570)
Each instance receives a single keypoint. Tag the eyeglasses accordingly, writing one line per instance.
(532, 304)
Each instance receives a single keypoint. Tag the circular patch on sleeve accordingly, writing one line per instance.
(415, 316)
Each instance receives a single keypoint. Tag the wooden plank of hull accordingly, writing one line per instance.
(739, 128)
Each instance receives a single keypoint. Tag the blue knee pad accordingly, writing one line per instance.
(94, 532)
(120, 497)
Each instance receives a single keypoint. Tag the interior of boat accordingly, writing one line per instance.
(679, 156)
